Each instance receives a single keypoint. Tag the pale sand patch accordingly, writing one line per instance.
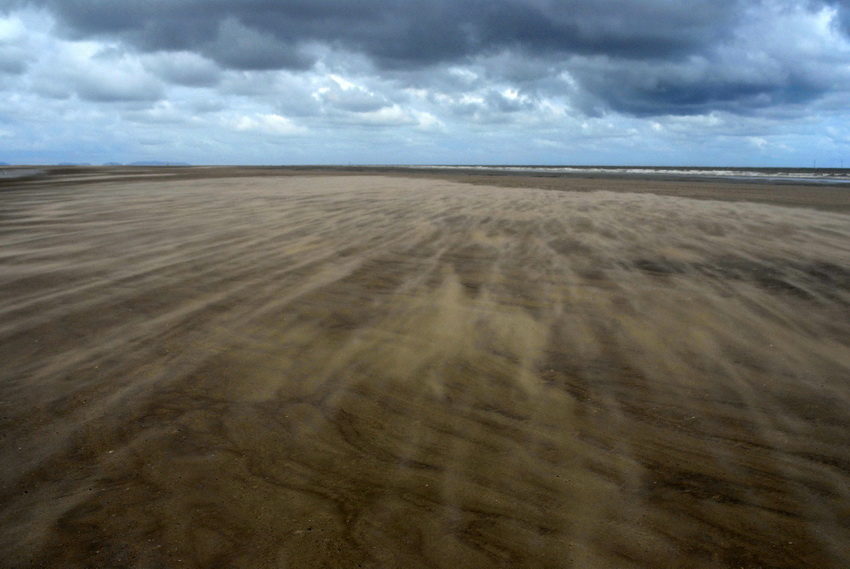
(388, 372)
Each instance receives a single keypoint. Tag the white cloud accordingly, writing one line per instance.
(341, 94)
(93, 71)
(344, 84)
(392, 115)
(759, 142)
(267, 124)
(116, 81)
(16, 51)
(428, 122)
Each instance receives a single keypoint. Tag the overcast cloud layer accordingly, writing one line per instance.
(739, 82)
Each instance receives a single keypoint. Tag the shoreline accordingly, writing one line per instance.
(789, 193)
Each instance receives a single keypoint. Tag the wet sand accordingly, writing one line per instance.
(221, 368)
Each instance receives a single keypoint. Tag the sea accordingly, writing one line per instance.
(774, 175)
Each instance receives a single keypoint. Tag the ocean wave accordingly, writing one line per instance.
(807, 175)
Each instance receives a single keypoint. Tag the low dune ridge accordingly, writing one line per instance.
(380, 371)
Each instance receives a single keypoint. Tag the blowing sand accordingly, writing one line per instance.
(366, 371)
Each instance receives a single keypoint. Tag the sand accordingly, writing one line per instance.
(226, 368)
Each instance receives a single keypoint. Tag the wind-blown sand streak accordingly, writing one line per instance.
(376, 371)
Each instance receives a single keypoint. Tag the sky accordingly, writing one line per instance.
(601, 82)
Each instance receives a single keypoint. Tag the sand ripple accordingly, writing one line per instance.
(386, 372)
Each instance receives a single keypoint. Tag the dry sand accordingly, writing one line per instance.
(376, 371)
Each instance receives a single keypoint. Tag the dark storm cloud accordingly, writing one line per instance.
(183, 68)
(399, 32)
(697, 87)
(640, 57)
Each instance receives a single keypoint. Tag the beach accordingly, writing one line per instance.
(338, 368)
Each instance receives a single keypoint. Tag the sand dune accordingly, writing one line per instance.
(367, 371)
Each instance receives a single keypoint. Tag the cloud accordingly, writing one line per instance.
(267, 124)
(784, 54)
(758, 142)
(392, 115)
(842, 8)
(397, 32)
(182, 68)
(95, 73)
(239, 46)
(633, 56)
(344, 95)
(121, 83)
(15, 49)
(563, 73)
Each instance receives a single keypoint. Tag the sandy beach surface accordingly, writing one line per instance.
(286, 369)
